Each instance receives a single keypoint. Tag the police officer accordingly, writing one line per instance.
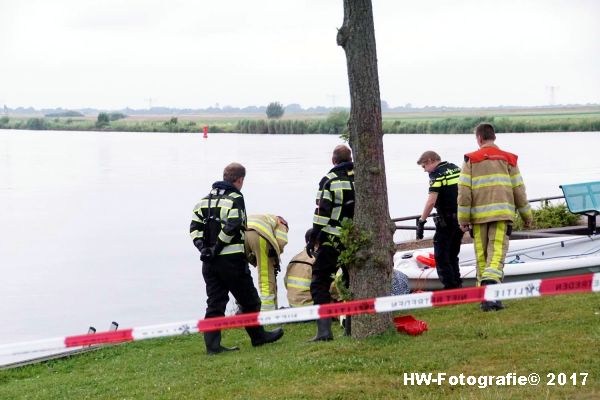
(217, 230)
(335, 203)
(443, 192)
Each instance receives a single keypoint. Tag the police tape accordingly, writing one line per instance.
(503, 291)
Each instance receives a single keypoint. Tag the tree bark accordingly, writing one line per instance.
(371, 271)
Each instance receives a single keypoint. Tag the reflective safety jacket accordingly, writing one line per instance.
(297, 280)
(443, 180)
(269, 227)
(490, 188)
(335, 201)
(225, 204)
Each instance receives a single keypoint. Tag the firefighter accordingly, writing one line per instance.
(490, 193)
(335, 203)
(298, 276)
(443, 192)
(217, 230)
(266, 236)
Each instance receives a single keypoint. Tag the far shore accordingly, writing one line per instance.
(559, 119)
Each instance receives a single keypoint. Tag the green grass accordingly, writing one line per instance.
(550, 334)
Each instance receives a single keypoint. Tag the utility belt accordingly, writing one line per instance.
(445, 220)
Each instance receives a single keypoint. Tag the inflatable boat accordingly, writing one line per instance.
(526, 259)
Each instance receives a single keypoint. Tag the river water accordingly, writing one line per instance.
(94, 225)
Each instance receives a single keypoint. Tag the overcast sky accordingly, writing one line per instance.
(197, 53)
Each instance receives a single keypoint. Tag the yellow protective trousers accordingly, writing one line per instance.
(258, 249)
(491, 244)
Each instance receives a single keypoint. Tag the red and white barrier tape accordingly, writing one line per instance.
(504, 291)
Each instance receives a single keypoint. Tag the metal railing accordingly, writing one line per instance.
(415, 218)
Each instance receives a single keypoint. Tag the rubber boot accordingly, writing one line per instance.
(213, 343)
(323, 330)
(259, 336)
(488, 305)
(348, 326)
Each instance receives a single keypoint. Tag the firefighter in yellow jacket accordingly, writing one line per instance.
(490, 193)
(298, 276)
(266, 236)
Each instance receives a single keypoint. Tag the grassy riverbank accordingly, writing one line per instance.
(556, 120)
(557, 334)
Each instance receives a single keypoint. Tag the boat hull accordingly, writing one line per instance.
(526, 260)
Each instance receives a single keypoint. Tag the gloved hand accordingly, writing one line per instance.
(420, 229)
(310, 248)
(199, 244)
(207, 254)
(277, 269)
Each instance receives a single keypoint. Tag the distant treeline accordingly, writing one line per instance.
(335, 123)
(436, 126)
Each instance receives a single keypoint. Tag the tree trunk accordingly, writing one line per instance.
(371, 271)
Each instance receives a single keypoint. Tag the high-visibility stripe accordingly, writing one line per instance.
(516, 180)
(338, 197)
(299, 283)
(340, 185)
(266, 297)
(197, 234)
(525, 210)
(281, 235)
(479, 250)
(336, 213)
(232, 249)
(320, 220)
(323, 194)
(222, 202)
(492, 274)
(225, 238)
(452, 181)
(334, 230)
(262, 227)
(491, 180)
(499, 238)
(492, 209)
(233, 213)
(464, 180)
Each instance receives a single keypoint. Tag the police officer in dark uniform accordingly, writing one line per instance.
(217, 229)
(335, 203)
(443, 193)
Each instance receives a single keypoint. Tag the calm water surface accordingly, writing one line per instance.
(94, 226)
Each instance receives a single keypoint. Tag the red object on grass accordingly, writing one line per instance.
(410, 325)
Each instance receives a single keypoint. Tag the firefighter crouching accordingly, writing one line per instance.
(266, 236)
(217, 230)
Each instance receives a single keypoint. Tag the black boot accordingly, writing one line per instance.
(259, 336)
(488, 305)
(213, 343)
(323, 330)
(348, 326)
